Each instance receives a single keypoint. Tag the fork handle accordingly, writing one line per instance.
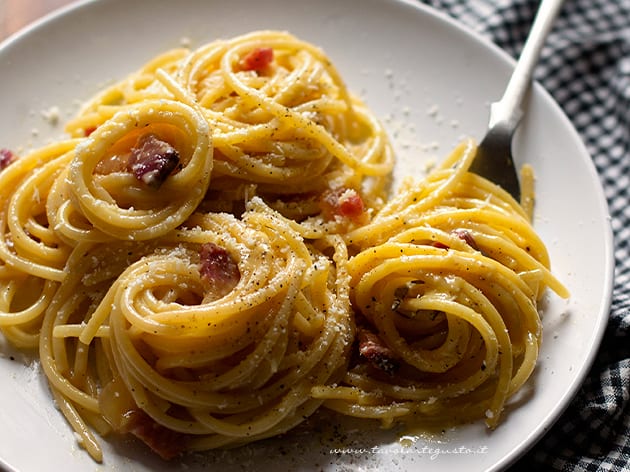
(508, 111)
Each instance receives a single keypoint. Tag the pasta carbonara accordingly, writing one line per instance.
(212, 255)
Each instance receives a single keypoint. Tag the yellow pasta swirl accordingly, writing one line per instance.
(119, 204)
(161, 346)
(445, 285)
(212, 256)
(289, 128)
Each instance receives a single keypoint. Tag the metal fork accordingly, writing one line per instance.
(494, 159)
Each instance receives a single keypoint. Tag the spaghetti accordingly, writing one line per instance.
(212, 256)
(446, 284)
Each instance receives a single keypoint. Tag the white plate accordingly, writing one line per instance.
(431, 82)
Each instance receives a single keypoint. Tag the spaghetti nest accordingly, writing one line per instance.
(211, 256)
(161, 337)
(446, 284)
(283, 121)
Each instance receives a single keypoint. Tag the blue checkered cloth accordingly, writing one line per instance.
(585, 66)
